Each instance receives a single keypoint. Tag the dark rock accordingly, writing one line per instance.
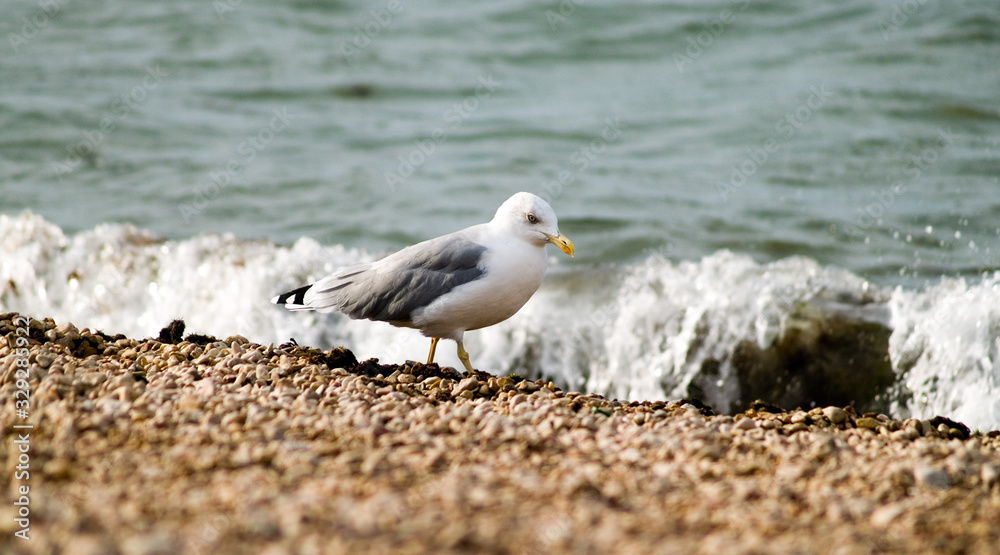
(338, 357)
(199, 339)
(763, 406)
(172, 333)
(372, 368)
(823, 359)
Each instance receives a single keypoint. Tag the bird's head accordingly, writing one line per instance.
(532, 219)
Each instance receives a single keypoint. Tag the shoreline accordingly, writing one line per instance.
(202, 444)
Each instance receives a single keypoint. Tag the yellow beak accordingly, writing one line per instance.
(563, 243)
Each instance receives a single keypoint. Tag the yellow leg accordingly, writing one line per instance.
(430, 355)
(464, 356)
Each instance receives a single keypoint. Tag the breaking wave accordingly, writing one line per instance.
(725, 329)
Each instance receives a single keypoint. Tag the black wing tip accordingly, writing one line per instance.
(297, 296)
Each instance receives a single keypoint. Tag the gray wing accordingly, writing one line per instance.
(393, 288)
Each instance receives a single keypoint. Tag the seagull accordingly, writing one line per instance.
(446, 286)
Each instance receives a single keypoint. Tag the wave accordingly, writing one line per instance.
(724, 329)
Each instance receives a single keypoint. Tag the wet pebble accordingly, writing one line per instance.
(835, 415)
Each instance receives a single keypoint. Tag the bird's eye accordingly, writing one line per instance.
(532, 219)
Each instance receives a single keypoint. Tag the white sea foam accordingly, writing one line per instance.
(644, 331)
(649, 331)
(946, 347)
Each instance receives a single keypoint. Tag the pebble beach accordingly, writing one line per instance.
(197, 444)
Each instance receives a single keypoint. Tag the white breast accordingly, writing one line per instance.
(514, 270)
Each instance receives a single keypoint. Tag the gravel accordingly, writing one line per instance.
(205, 445)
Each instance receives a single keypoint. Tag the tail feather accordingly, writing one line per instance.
(294, 299)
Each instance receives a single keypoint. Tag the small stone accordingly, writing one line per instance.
(44, 360)
(206, 387)
(125, 393)
(468, 384)
(528, 386)
(710, 452)
(835, 414)
(189, 402)
(67, 328)
(990, 474)
(542, 392)
(931, 477)
(797, 427)
(867, 423)
(745, 424)
(883, 516)
(58, 469)
(955, 434)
